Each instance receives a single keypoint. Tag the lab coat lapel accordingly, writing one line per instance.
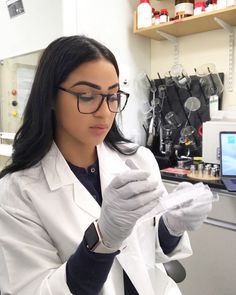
(59, 174)
(110, 165)
(132, 261)
(85, 200)
(130, 258)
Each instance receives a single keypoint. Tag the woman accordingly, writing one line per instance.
(76, 198)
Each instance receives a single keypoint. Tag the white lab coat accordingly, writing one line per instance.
(44, 212)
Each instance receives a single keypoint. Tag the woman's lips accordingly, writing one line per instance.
(99, 129)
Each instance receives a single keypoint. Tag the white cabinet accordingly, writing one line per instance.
(42, 22)
(211, 269)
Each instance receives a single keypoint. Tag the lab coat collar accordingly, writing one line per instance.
(56, 169)
(58, 172)
(59, 175)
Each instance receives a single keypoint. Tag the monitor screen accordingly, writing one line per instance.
(228, 153)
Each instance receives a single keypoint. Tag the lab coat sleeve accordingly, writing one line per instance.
(168, 242)
(182, 250)
(29, 261)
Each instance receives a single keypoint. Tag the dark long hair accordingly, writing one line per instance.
(34, 138)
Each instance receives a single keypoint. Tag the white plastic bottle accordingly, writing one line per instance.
(144, 14)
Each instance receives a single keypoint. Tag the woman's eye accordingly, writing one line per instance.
(114, 97)
(85, 97)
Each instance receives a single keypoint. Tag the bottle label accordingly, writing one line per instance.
(184, 8)
(163, 18)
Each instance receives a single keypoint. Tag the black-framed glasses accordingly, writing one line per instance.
(90, 103)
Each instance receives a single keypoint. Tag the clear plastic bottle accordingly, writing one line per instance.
(144, 14)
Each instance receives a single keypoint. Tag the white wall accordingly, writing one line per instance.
(42, 22)
(195, 50)
(110, 22)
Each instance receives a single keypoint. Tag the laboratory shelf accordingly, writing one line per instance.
(190, 25)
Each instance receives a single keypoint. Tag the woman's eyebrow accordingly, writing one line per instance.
(114, 86)
(90, 84)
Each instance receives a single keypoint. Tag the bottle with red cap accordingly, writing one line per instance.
(164, 16)
(199, 7)
(144, 14)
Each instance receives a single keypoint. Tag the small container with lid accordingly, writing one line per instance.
(183, 8)
(153, 16)
(157, 17)
(144, 14)
(164, 16)
(200, 168)
(193, 169)
(199, 7)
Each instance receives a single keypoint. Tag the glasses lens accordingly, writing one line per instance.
(88, 103)
(117, 102)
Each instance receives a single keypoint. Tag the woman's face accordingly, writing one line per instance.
(94, 77)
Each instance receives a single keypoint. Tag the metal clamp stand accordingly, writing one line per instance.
(173, 40)
(229, 29)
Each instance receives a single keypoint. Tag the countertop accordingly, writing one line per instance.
(178, 177)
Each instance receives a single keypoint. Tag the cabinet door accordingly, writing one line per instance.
(225, 208)
(211, 269)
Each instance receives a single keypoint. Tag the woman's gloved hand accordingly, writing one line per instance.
(128, 197)
(190, 217)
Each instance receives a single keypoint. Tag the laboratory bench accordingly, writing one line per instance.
(211, 269)
(216, 184)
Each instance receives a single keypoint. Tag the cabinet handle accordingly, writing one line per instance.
(220, 223)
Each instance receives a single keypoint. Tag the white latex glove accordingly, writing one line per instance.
(128, 197)
(189, 217)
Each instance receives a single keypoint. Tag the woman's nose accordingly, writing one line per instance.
(103, 109)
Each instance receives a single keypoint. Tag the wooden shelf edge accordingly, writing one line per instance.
(173, 27)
